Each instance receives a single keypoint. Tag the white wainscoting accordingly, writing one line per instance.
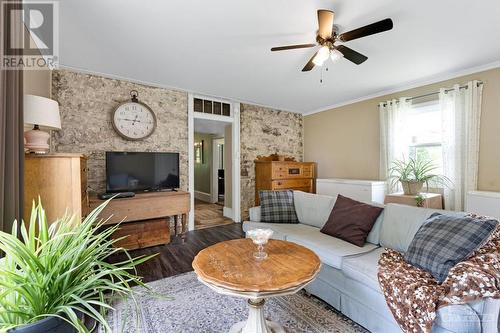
(483, 203)
(361, 190)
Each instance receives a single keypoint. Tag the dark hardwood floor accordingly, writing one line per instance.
(176, 257)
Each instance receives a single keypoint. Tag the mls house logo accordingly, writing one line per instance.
(29, 34)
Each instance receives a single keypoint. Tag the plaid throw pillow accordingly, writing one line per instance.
(277, 207)
(444, 240)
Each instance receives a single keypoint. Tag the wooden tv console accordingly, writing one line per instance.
(145, 217)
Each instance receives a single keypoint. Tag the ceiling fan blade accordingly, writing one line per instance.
(310, 64)
(325, 23)
(367, 30)
(291, 47)
(351, 55)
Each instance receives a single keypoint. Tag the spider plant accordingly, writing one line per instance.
(60, 271)
(414, 173)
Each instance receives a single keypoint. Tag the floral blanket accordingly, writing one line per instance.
(414, 296)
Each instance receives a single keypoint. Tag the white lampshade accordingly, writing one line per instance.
(41, 111)
(336, 55)
(322, 54)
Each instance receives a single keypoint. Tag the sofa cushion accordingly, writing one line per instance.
(329, 249)
(277, 207)
(351, 220)
(281, 230)
(443, 241)
(312, 209)
(374, 235)
(457, 318)
(364, 268)
(401, 223)
(254, 214)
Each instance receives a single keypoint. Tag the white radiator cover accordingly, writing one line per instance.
(361, 190)
(483, 203)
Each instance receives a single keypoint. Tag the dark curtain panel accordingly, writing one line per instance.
(11, 137)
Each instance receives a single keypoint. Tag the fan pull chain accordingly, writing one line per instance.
(321, 78)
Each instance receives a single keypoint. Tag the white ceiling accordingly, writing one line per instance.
(207, 126)
(221, 47)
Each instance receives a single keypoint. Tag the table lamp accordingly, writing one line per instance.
(40, 112)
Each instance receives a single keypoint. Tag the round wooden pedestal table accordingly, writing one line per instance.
(230, 268)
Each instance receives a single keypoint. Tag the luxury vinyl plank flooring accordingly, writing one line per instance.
(176, 257)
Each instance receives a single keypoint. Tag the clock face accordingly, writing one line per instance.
(134, 120)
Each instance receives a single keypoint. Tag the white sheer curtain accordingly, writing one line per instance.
(393, 142)
(461, 114)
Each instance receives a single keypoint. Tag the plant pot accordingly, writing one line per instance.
(412, 187)
(53, 325)
(46, 325)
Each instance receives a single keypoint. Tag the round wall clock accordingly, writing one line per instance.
(134, 120)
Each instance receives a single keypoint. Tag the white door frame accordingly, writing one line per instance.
(215, 169)
(234, 119)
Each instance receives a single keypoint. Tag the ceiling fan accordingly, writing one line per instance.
(327, 37)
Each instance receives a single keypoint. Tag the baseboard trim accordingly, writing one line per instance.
(203, 196)
(228, 212)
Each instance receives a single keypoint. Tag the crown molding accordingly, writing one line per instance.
(406, 86)
(157, 85)
(411, 85)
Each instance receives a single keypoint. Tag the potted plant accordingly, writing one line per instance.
(53, 276)
(419, 200)
(414, 173)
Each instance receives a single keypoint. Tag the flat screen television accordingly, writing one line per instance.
(141, 172)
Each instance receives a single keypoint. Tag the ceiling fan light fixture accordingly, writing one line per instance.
(336, 55)
(327, 36)
(321, 56)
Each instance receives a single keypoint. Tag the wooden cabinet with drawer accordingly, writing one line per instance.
(286, 175)
(61, 182)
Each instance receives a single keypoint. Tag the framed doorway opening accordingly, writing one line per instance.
(206, 114)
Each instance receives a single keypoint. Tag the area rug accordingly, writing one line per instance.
(196, 308)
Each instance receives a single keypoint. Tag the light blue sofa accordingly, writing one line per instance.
(348, 277)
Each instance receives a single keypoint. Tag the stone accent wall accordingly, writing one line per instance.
(265, 131)
(86, 106)
(87, 102)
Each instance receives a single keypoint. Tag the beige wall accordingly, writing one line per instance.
(203, 171)
(37, 82)
(345, 141)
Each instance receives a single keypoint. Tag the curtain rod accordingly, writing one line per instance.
(435, 93)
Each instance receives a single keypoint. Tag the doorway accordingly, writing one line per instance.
(214, 154)
(219, 166)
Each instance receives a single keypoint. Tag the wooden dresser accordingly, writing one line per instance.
(61, 182)
(286, 175)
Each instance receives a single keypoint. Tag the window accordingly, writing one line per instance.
(424, 135)
(213, 107)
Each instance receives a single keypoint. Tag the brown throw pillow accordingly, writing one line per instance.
(351, 220)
